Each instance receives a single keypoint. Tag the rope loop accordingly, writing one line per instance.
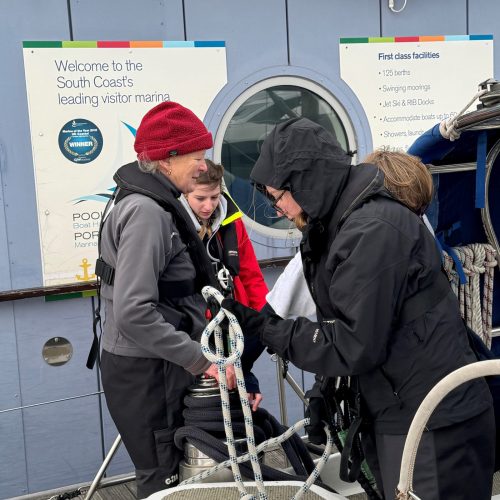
(237, 345)
(235, 332)
(448, 128)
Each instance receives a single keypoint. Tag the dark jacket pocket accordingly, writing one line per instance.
(378, 393)
(166, 451)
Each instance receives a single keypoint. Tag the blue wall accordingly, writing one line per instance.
(50, 445)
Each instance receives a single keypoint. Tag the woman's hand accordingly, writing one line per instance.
(254, 398)
(213, 372)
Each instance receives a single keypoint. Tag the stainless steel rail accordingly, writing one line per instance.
(451, 168)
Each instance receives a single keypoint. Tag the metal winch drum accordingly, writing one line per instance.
(196, 461)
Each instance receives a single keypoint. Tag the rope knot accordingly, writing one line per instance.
(447, 128)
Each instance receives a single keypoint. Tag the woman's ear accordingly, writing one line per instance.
(165, 166)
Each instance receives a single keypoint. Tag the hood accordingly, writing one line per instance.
(156, 185)
(307, 160)
(220, 213)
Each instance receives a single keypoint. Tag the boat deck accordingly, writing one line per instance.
(126, 489)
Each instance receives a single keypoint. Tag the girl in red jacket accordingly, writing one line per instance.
(220, 226)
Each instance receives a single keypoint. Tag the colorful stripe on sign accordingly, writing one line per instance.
(423, 38)
(116, 44)
(71, 295)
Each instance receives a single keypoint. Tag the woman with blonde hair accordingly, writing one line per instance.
(405, 177)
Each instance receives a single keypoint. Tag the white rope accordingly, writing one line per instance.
(489, 263)
(436, 395)
(270, 443)
(477, 269)
(237, 345)
(478, 259)
(447, 128)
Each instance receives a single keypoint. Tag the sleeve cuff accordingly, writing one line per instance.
(200, 366)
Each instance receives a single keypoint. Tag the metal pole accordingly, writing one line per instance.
(296, 387)
(102, 470)
(281, 390)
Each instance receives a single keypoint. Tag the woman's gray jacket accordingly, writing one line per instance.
(154, 308)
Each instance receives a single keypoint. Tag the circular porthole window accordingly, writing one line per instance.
(57, 351)
(249, 120)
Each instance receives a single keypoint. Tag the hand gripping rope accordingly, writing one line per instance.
(237, 345)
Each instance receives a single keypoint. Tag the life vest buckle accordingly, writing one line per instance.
(104, 271)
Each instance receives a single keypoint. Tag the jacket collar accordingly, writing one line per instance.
(365, 182)
(220, 213)
(156, 185)
(130, 179)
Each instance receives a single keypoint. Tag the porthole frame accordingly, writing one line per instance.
(287, 237)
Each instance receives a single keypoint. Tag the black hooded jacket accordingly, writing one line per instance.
(364, 254)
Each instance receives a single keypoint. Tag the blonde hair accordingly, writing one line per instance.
(406, 178)
(300, 221)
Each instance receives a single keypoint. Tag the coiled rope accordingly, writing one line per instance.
(477, 260)
(448, 128)
(237, 345)
(204, 426)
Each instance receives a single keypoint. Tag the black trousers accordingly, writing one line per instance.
(145, 400)
(453, 463)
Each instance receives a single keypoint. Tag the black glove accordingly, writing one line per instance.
(251, 321)
(268, 309)
(316, 412)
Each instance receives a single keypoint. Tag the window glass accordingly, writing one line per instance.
(248, 128)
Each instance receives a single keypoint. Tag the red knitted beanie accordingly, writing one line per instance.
(170, 129)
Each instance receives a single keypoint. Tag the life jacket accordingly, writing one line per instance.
(129, 179)
(225, 240)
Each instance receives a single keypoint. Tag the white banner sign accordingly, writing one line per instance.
(408, 84)
(86, 100)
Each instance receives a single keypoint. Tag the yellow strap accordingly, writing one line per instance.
(232, 218)
(236, 215)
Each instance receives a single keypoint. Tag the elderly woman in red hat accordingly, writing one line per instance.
(152, 266)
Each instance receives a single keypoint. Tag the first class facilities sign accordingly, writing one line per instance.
(86, 100)
(408, 84)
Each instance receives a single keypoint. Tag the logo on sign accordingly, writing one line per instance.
(80, 141)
